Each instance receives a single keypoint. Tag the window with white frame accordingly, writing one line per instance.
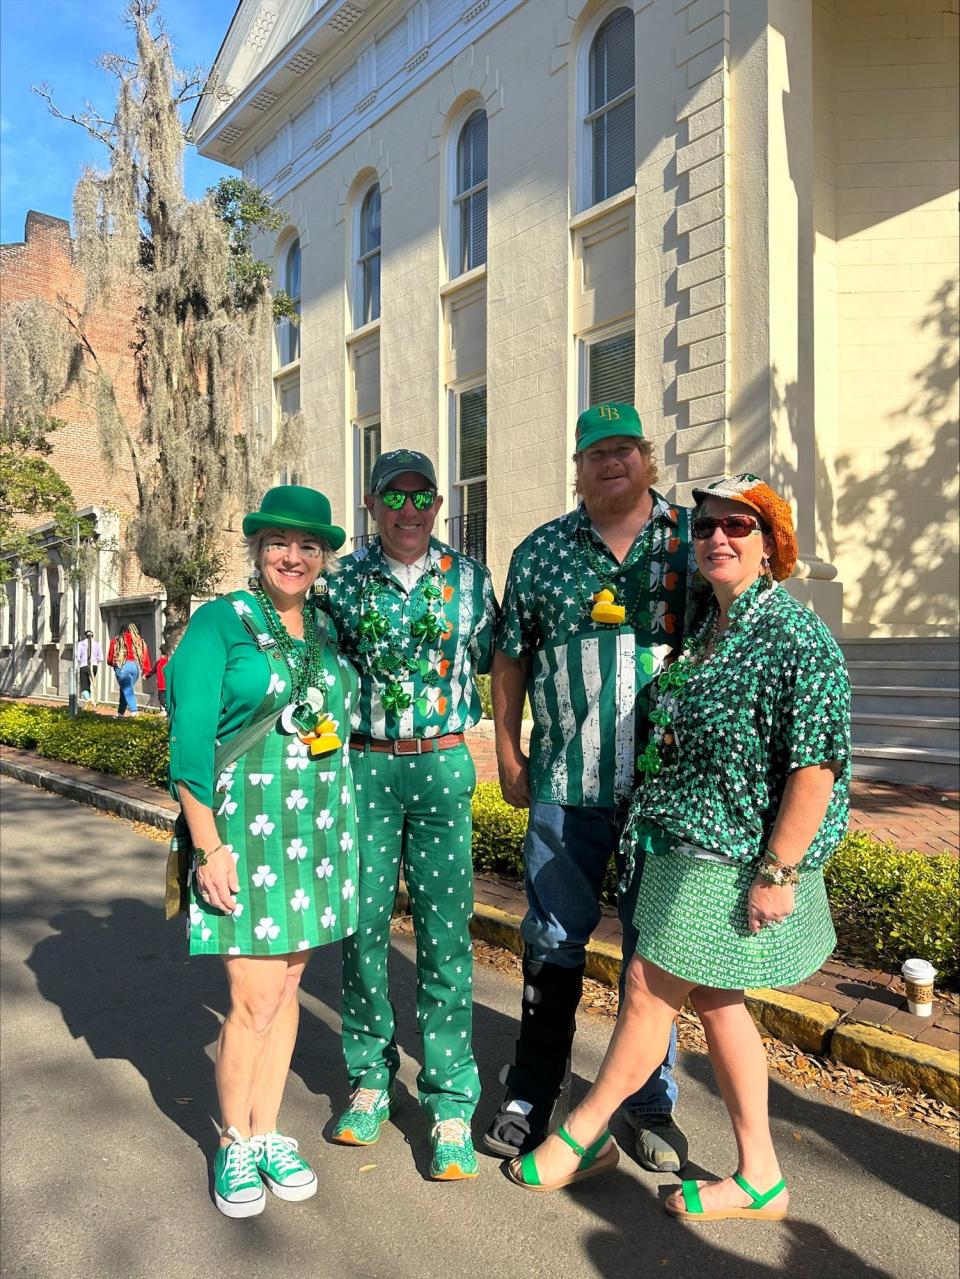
(609, 119)
(609, 370)
(288, 330)
(368, 259)
(11, 586)
(366, 450)
(36, 607)
(467, 523)
(55, 601)
(469, 231)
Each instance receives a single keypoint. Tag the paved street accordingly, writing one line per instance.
(107, 1032)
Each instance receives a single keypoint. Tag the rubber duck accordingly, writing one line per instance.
(605, 610)
(323, 739)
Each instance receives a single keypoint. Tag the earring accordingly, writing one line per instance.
(766, 572)
(253, 581)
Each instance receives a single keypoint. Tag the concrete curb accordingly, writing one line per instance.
(814, 1027)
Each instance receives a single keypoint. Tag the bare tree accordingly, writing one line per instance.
(202, 331)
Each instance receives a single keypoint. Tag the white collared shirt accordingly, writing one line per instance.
(408, 575)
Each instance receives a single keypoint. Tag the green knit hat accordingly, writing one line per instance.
(291, 506)
(601, 421)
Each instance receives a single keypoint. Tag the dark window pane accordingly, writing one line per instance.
(614, 168)
(370, 221)
(611, 370)
(472, 450)
(473, 230)
(371, 289)
(472, 152)
(611, 59)
(292, 274)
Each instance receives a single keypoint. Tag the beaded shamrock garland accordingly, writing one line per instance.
(605, 608)
(392, 654)
(304, 713)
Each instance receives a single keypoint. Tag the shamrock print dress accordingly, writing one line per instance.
(287, 818)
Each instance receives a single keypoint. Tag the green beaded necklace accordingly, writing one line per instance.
(635, 616)
(304, 662)
(389, 661)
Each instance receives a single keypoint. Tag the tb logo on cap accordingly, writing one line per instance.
(609, 412)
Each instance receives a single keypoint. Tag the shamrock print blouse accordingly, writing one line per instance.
(774, 697)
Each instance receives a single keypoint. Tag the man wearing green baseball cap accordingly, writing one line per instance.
(593, 607)
(417, 618)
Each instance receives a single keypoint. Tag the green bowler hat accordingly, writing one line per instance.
(601, 421)
(389, 465)
(295, 507)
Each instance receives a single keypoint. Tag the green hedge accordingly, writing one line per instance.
(134, 747)
(896, 903)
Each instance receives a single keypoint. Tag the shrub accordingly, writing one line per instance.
(483, 688)
(498, 831)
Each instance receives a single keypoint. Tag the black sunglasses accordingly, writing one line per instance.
(705, 526)
(422, 499)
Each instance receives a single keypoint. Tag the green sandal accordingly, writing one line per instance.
(523, 1171)
(757, 1211)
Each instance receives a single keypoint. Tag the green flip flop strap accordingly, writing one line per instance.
(574, 1145)
(759, 1201)
(691, 1196)
(528, 1170)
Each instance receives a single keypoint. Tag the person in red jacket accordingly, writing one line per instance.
(160, 671)
(130, 658)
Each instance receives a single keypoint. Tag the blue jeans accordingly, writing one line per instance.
(565, 857)
(127, 677)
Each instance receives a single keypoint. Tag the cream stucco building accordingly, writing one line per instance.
(739, 214)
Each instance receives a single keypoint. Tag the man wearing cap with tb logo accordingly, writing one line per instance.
(594, 605)
(417, 618)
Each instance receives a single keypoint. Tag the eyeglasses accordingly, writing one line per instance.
(394, 499)
(735, 526)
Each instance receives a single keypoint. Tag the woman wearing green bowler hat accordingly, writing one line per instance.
(259, 701)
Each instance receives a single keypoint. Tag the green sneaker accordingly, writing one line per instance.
(237, 1188)
(360, 1123)
(287, 1173)
(454, 1158)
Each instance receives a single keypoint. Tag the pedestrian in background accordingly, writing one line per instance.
(130, 659)
(89, 659)
(160, 671)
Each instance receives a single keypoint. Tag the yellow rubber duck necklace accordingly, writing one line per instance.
(604, 604)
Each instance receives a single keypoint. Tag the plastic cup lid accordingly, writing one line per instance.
(918, 970)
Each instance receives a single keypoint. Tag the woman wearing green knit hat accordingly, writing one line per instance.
(260, 701)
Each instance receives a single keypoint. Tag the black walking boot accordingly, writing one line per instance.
(538, 1082)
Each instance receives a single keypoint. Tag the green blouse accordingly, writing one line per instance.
(774, 697)
(216, 682)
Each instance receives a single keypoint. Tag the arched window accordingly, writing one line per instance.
(368, 259)
(288, 331)
(609, 121)
(470, 197)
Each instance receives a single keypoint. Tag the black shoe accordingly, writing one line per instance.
(661, 1145)
(520, 1126)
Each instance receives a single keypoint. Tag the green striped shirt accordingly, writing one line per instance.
(442, 686)
(589, 681)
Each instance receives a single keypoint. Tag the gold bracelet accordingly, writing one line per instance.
(200, 856)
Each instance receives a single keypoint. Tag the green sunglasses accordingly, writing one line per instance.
(394, 499)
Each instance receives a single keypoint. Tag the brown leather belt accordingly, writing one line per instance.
(406, 745)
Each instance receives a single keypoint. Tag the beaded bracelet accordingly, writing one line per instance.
(200, 855)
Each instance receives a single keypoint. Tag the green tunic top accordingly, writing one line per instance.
(589, 681)
(773, 697)
(441, 689)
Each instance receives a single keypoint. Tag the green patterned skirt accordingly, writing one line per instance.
(691, 919)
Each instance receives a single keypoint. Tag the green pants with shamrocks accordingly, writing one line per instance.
(414, 811)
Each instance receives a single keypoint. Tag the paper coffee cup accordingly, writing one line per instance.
(918, 976)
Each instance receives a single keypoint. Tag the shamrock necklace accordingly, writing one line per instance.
(303, 714)
(604, 608)
(387, 649)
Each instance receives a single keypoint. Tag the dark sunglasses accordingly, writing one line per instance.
(705, 526)
(422, 499)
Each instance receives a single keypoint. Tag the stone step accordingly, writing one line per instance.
(912, 766)
(926, 674)
(925, 732)
(915, 651)
(903, 700)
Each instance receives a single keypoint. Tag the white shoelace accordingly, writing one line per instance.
(366, 1099)
(241, 1158)
(450, 1132)
(282, 1150)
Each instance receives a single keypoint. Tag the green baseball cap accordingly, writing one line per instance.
(295, 507)
(600, 421)
(389, 465)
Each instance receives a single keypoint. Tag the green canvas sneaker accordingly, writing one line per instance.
(287, 1173)
(360, 1123)
(454, 1158)
(237, 1188)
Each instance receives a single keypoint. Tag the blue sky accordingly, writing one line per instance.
(57, 41)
